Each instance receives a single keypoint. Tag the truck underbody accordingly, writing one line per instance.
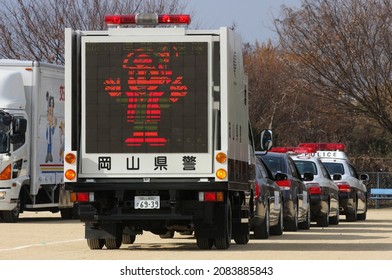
(112, 218)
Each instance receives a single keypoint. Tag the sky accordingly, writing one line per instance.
(253, 18)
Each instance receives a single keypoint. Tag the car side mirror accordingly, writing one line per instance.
(308, 176)
(337, 177)
(280, 177)
(364, 177)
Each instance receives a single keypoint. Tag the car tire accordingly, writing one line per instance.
(334, 220)
(263, 231)
(323, 219)
(292, 225)
(306, 224)
(278, 229)
(362, 216)
(351, 215)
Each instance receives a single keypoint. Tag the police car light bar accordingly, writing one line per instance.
(324, 146)
(296, 150)
(147, 19)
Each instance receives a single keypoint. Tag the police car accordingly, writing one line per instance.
(352, 191)
(324, 192)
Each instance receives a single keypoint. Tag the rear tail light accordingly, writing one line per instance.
(284, 184)
(82, 196)
(257, 190)
(211, 196)
(344, 187)
(314, 189)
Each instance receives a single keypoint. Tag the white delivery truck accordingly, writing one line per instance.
(157, 132)
(31, 139)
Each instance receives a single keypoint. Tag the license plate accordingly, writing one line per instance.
(147, 202)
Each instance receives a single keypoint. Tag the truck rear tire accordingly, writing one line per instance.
(128, 238)
(95, 243)
(113, 243)
(224, 241)
(204, 243)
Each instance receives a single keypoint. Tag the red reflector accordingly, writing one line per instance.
(344, 187)
(284, 183)
(82, 197)
(210, 196)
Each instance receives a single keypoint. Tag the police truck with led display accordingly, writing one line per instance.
(157, 131)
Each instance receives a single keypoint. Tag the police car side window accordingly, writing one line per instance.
(324, 171)
(352, 171)
(293, 169)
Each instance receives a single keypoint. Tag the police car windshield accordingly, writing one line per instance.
(334, 167)
(306, 166)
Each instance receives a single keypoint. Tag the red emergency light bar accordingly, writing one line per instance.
(147, 19)
(324, 146)
(297, 150)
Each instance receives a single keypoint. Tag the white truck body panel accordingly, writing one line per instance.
(232, 104)
(42, 151)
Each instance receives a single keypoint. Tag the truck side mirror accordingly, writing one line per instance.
(20, 126)
(266, 140)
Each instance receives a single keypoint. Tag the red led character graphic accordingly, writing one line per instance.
(150, 87)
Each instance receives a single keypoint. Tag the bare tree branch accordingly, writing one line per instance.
(343, 52)
(34, 29)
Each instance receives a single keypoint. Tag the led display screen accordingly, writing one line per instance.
(146, 97)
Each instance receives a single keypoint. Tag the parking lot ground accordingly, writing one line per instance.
(45, 236)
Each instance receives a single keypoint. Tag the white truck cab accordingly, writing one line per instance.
(31, 139)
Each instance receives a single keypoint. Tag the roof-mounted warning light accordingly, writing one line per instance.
(324, 146)
(148, 19)
(294, 150)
